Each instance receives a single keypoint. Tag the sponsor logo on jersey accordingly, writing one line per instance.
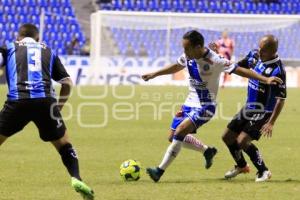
(268, 70)
(197, 84)
(256, 87)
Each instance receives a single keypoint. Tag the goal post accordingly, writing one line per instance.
(146, 37)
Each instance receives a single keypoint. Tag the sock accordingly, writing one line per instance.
(256, 158)
(69, 158)
(191, 142)
(171, 153)
(237, 154)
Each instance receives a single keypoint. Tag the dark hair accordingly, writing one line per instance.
(194, 37)
(28, 30)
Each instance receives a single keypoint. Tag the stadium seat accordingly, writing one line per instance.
(140, 5)
(164, 6)
(152, 5)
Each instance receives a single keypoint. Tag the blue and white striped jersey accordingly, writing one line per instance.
(30, 66)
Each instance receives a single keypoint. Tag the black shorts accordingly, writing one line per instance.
(15, 115)
(249, 122)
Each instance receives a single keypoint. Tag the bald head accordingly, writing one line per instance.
(268, 46)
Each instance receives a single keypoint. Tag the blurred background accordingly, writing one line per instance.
(124, 38)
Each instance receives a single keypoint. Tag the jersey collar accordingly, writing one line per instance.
(28, 39)
(271, 61)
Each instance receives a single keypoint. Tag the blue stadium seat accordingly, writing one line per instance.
(189, 6)
(177, 6)
(152, 5)
(127, 5)
(164, 6)
(140, 5)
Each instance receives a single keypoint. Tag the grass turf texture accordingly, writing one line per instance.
(31, 169)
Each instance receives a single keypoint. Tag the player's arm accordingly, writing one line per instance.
(61, 76)
(2, 56)
(65, 91)
(1, 59)
(280, 94)
(171, 69)
(267, 129)
(244, 72)
(242, 68)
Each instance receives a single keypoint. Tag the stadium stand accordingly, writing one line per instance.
(60, 22)
(61, 25)
(153, 41)
(208, 6)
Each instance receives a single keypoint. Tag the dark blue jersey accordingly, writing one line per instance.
(261, 95)
(30, 66)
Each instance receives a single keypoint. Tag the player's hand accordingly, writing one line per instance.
(267, 129)
(274, 80)
(213, 46)
(147, 77)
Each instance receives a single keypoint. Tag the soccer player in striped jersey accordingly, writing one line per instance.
(30, 66)
(204, 67)
(258, 116)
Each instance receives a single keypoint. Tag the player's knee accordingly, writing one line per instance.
(244, 143)
(226, 138)
(171, 135)
(170, 138)
(229, 137)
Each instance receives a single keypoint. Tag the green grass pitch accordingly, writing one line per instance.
(31, 169)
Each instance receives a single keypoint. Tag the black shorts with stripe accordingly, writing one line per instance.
(43, 112)
(250, 122)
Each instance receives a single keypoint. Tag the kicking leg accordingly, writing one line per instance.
(70, 160)
(193, 143)
(173, 150)
(190, 142)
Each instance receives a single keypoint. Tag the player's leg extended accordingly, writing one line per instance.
(190, 142)
(68, 155)
(245, 142)
(230, 139)
(70, 160)
(185, 127)
(193, 143)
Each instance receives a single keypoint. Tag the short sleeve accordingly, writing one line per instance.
(250, 60)
(280, 89)
(59, 72)
(182, 60)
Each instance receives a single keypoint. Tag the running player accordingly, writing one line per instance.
(204, 67)
(258, 116)
(30, 66)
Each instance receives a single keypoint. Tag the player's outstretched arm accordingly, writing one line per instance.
(268, 127)
(171, 69)
(251, 74)
(65, 91)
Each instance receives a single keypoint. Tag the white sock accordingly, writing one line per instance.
(191, 142)
(171, 153)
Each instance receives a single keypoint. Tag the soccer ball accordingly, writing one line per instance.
(130, 170)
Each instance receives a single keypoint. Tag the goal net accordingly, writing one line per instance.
(136, 42)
